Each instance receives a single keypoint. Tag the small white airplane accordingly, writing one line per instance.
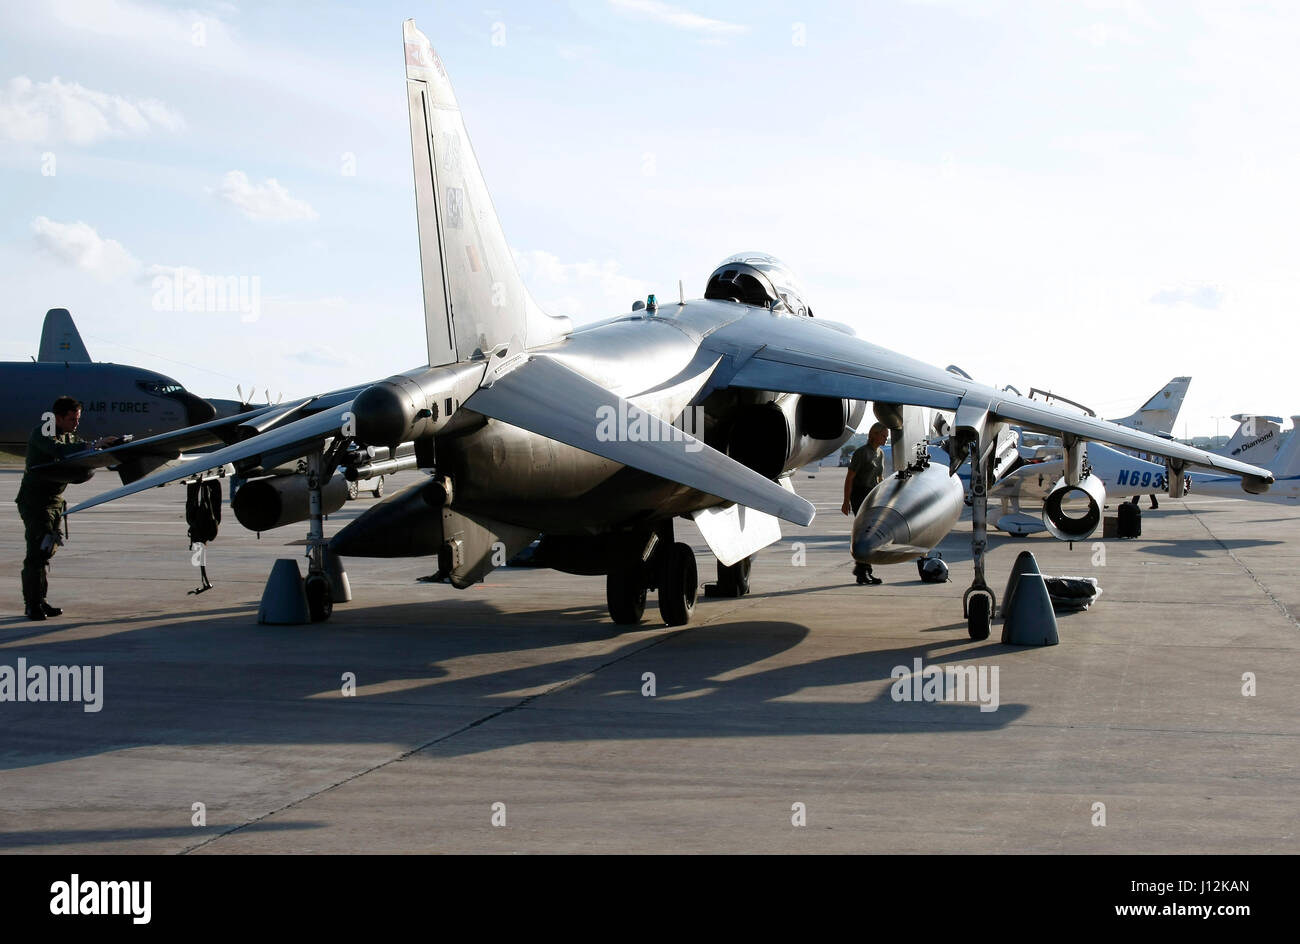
(1258, 436)
(1256, 440)
(1158, 415)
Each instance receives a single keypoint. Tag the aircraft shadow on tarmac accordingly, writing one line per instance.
(1199, 547)
(230, 681)
(53, 837)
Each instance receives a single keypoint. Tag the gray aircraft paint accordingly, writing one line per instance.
(117, 399)
(525, 457)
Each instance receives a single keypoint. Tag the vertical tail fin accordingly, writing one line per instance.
(474, 299)
(1158, 415)
(1256, 440)
(60, 339)
(1287, 460)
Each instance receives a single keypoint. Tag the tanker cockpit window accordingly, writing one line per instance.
(158, 388)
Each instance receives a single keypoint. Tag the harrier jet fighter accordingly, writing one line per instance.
(597, 439)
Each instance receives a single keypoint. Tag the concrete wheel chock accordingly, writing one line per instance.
(284, 602)
(1025, 564)
(1029, 620)
(340, 589)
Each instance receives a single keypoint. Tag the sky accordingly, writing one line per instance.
(1089, 196)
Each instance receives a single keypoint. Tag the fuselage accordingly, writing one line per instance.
(117, 400)
(664, 363)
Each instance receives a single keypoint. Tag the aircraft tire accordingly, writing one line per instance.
(320, 603)
(979, 620)
(625, 595)
(379, 488)
(679, 587)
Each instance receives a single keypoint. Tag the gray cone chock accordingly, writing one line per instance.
(1029, 619)
(1025, 564)
(284, 602)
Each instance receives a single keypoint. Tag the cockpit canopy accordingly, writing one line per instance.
(755, 278)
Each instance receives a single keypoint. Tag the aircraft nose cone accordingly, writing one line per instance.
(383, 415)
(197, 410)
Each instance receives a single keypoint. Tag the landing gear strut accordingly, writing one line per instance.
(322, 586)
(978, 602)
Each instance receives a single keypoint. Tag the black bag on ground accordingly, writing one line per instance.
(1130, 520)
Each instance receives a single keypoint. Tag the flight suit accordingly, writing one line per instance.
(41, 505)
(868, 468)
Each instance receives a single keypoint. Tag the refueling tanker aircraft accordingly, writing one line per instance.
(116, 399)
(596, 439)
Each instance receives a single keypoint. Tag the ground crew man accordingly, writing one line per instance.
(866, 471)
(40, 499)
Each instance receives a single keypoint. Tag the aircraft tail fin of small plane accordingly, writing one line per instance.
(1287, 460)
(60, 339)
(1256, 439)
(1158, 415)
(474, 299)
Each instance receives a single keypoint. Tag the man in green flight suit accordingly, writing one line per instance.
(40, 498)
(866, 471)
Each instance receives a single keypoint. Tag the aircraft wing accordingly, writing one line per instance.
(294, 438)
(135, 459)
(773, 352)
(571, 411)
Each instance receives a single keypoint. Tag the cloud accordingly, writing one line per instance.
(57, 111)
(1200, 296)
(267, 201)
(676, 17)
(77, 244)
(585, 291)
(1100, 34)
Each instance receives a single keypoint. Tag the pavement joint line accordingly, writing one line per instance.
(1249, 573)
(507, 709)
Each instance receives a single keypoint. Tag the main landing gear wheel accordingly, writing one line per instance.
(625, 594)
(678, 586)
(979, 618)
(320, 603)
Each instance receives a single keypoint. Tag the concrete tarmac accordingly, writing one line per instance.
(519, 701)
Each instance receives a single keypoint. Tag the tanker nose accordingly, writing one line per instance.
(383, 414)
(197, 410)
